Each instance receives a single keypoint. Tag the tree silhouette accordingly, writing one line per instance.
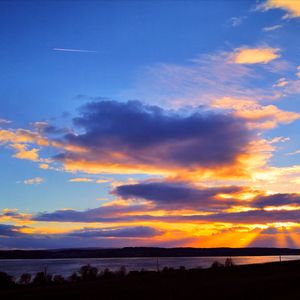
(229, 262)
(41, 278)
(25, 278)
(88, 272)
(216, 264)
(74, 277)
(58, 279)
(6, 280)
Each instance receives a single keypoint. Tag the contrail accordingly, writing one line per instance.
(74, 50)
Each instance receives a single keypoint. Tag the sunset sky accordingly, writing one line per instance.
(149, 123)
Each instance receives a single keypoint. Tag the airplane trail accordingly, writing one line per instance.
(74, 50)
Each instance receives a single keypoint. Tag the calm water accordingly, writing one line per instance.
(65, 267)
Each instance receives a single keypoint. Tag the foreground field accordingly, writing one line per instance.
(265, 281)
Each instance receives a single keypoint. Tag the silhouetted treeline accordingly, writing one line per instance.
(144, 252)
(86, 273)
(222, 281)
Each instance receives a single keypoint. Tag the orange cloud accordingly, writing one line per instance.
(103, 180)
(44, 166)
(22, 136)
(261, 55)
(258, 116)
(20, 139)
(81, 179)
(23, 153)
(292, 7)
(13, 216)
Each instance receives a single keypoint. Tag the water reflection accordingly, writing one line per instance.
(65, 267)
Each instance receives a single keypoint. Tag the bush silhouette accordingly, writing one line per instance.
(41, 278)
(25, 278)
(58, 279)
(74, 277)
(216, 265)
(182, 268)
(107, 273)
(6, 280)
(122, 271)
(229, 262)
(88, 272)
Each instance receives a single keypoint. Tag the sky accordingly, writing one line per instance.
(149, 123)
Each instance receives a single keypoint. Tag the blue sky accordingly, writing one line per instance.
(235, 59)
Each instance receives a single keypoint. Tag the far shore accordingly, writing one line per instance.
(145, 252)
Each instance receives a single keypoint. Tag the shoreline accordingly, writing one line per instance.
(274, 280)
(145, 252)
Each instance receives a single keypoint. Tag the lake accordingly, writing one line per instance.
(66, 267)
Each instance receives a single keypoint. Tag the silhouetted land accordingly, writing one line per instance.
(279, 280)
(144, 252)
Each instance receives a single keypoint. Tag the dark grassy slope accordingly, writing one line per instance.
(265, 281)
(144, 252)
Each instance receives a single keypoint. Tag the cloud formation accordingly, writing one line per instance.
(271, 28)
(250, 217)
(9, 230)
(277, 200)
(4, 121)
(236, 21)
(35, 180)
(180, 195)
(292, 7)
(74, 50)
(14, 237)
(256, 114)
(81, 179)
(261, 55)
(109, 213)
(135, 137)
(129, 232)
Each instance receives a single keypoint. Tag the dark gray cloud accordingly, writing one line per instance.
(130, 232)
(11, 237)
(164, 195)
(276, 200)
(99, 214)
(15, 215)
(180, 195)
(150, 135)
(244, 217)
(248, 217)
(10, 230)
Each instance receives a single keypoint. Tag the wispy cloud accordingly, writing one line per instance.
(271, 28)
(236, 21)
(256, 115)
(298, 72)
(4, 121)
(294, 152)
(74, 50)
(81, 179)
(86, 179)
(281, 82)
(36, 180)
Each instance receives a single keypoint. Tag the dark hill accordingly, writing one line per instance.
(144, 252)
